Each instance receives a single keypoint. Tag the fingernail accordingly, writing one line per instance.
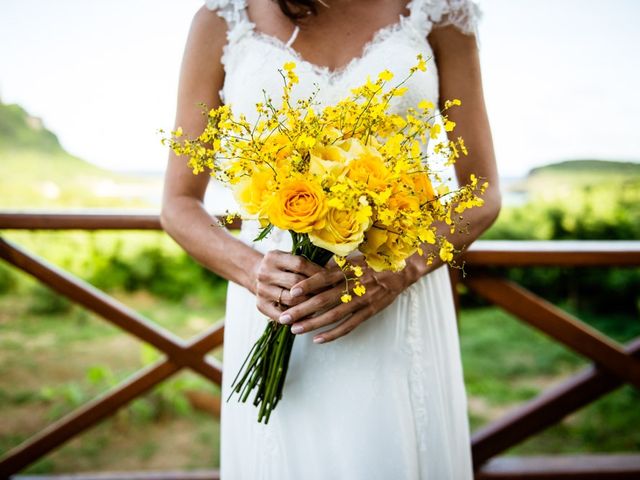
(286, 318)
(318, 340)
(296, 292)
(297, 329)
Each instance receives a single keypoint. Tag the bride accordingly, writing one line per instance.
(374, 388)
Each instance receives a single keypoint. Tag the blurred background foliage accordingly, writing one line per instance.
(55, 356)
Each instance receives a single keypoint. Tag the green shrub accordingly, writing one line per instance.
(604, 211)
(169, 275)
(45, 301)
(8, 280)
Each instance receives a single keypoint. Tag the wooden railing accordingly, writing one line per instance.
(613, 364)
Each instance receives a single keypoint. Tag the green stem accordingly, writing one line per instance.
(264, 370)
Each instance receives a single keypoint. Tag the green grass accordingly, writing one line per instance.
(55, 356)
(52, 364)
(507, 363)
(55, 180)
(62, 360)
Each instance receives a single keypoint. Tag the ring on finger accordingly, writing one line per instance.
(278, 302)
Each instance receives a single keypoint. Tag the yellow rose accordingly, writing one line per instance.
(385, 250)
(253, 192)
(333, 159)
(327, 159)
(422, 186)
(298, 205)
(353, 146)
(403, 199)
(373, 240)
(369, 170)
(343, 230)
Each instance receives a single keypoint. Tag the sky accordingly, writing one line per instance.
(560, 76)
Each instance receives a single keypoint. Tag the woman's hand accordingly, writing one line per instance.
(274, 275)
(322, 292)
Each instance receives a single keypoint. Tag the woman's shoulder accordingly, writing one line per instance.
(209, 13)
(207, 28)
(202, 60)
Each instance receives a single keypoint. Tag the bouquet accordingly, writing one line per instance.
(344, 178)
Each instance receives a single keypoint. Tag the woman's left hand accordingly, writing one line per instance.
(327, 287)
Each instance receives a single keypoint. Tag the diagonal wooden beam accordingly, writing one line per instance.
(549, 408)
(206, 341)
(558, 324)
(103, 406)
(110, 309)
(85, 417)
(190, 354)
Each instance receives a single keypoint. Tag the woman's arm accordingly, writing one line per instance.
(183, 214)
(458, 64)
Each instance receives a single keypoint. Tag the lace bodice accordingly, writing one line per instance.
(464, 14)
(248, 51)
(251, 61)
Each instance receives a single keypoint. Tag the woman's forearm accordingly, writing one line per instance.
(190, 225)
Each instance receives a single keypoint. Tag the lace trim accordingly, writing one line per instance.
(463, 14)
(417, 373)
(330, 74)
(234, 13)
(423, 14)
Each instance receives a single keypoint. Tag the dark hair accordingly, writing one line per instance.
(297, 9)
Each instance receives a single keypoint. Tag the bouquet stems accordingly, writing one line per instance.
(264, 370)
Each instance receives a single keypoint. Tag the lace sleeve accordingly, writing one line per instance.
(463, 14)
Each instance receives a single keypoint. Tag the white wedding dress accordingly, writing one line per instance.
(387, 401)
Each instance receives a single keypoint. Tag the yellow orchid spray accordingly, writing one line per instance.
(345, 178)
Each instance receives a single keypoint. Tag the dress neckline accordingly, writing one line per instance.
(324, 71)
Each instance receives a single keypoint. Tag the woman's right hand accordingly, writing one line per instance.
(274, 275)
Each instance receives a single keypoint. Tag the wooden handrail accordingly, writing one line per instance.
(79, 221)
(557, 253)
(484, 253)
(563, 467)
(104, 220)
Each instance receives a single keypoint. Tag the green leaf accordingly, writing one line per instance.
(264, 232)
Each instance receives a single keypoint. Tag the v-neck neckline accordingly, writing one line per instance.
(331, 74)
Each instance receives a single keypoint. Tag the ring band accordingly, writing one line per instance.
(280, 297)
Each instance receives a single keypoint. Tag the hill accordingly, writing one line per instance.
(590, 167)
(19, 130)
(37, 172)
(565, 179)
